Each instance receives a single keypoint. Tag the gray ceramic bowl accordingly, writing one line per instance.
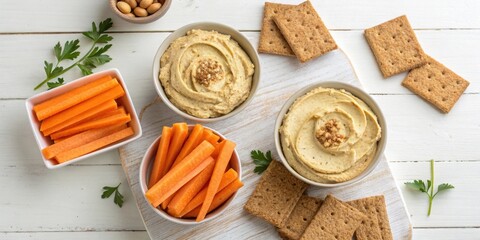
(358, 93)
(144, 175)
(236, 35)
(158, 14)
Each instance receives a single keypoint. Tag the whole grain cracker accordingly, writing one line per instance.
(376, 226)
(271, 39)
(275, 195)
(335, 218)
(305, 32)
(395, 46)
(300, 218)
(436, 84)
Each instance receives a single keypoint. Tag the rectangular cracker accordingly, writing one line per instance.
(300, 218)
(335, 218)
(377, 225)
(395, 46)
(436, 84)
(271, 39)
(305, 32)
(275, 195)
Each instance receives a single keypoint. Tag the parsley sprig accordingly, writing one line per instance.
(69, 51)
(108, 191)
(261, 160)
(419, 185)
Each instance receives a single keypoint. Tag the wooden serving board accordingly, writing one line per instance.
(253, 128)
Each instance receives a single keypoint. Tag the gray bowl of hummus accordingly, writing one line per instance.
(206, 71)
(330, 134)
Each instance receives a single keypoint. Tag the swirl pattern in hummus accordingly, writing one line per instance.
(206, 74)
(329, 135)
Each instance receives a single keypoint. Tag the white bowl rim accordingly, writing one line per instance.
(364, 96)
(143, 185)
(207, 26)
(135, 122)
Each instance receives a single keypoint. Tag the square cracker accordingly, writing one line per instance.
(395, 46)
(300, 218)
(271, 39)
(376, 226)
(334, 218)
(305, 32)
(437, 84)
(275, 195)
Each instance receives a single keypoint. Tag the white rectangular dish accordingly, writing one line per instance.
(125, 101)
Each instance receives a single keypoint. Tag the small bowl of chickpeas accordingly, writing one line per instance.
(140, 11)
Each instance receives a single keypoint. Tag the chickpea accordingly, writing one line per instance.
(145, 3)
(140, 12)
(132, 3)
(124, 7)
(154, 8)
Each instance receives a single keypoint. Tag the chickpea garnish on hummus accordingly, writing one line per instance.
(206, 74)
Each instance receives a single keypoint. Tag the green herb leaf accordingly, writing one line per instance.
(52, 85)
(93, 58)
(444, 186)
(86, 70)
(97, 35)
(50, 70)
(108, 191)
(69, 50)
(118, 199)
(419, 185)
(261, 160)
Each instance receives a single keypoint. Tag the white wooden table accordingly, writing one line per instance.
(37, 203)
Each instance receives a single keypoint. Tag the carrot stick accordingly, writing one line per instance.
(218, 147)
(94, 145)
(58, 99)
(157, 197)
(187, 192)
(69, 100)
(58, 140)
(180, 175)
(221, 163)
(213, 139)
(180, 133)
(99, 123)
(119, 110)
(78, 140)
(113, 93)
(194, 138)
(221, 197)
(160, 156)
(227, 178)
(104, 107)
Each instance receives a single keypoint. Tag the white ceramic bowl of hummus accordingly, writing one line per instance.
(144, 175)
(330, 134)
(206, 71)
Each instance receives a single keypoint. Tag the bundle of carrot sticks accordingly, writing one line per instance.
(191, 174)
(83, 120)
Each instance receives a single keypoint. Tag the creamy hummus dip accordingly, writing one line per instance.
(206, 74)
(329, 135)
